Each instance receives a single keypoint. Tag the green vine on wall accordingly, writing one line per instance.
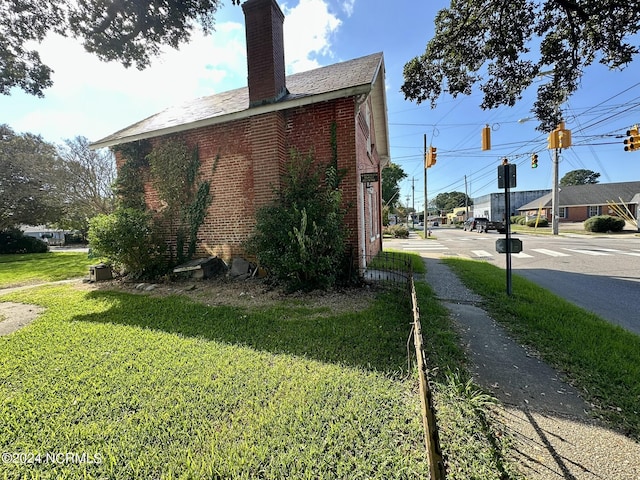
(174, 172)
(129, 186)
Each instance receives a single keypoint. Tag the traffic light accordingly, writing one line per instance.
(430, 159)
(559, 138)
(633, 142)
(486, 138)
(534, 161)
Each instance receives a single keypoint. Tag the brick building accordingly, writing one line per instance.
(249, 133)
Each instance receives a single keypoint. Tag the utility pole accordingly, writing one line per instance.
(466, 199)
(555, 195)
(426, 208)
(413, 202)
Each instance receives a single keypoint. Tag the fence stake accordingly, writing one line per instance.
(432, 440)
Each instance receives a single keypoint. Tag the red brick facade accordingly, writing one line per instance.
(250, 156)
(250, 151)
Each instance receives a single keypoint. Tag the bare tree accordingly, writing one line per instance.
(88, 178)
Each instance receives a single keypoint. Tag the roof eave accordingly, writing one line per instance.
(240, 115)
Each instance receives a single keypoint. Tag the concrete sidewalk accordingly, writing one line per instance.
(554, 438)
(514, 375)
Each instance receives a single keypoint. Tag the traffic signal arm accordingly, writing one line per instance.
(632, 143)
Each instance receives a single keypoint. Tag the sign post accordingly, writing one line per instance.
(507, 180)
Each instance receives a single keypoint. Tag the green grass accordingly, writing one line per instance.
(391, 259)
(171, 388)
(601, 359)
(42, 267)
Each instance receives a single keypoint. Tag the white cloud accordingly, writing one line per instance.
(94, 98)
(307, 34)
(348, 6)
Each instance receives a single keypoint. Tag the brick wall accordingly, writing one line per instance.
(244, 160)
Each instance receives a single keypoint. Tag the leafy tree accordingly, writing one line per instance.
(130, 32)
(451, 200)
(579, 177)
(30, 174)
(391, 176)
(88, 179)
(491, 42)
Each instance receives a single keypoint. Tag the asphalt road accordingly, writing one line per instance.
(598, 273)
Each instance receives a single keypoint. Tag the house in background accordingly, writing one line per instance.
(250, 132)
(577, 203)
(50, 236)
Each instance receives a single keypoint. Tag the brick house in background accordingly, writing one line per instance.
(251, 131)
(577, 203)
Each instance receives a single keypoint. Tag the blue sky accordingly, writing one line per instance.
(94, 99)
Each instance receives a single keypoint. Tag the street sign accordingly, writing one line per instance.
(507, 176)
(501, 245)
(369, 177)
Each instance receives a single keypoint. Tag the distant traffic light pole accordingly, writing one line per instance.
(429, 161)
(558, 138)
(555, 197)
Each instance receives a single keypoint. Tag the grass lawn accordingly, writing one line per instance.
(165, 387)
(42, 267)
(602, 359)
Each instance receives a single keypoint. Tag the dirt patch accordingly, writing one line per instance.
(250, 293)
(14, 316)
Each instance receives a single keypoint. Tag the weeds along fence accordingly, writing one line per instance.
(392, 269)
(431, 436)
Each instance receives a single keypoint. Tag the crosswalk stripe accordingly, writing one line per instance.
(635, 254)
(594, 253)
(481, 253)
(521, 255)
(551, 253)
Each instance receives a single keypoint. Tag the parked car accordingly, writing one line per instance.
(481, 224)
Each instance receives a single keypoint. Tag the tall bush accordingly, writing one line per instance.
(300, 238)
(128, 239)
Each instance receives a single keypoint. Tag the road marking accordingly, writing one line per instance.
(620, 252)
(521, 255)
(551, 253)
(481, 253)
(595, 253)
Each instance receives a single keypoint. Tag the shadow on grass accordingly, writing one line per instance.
(373, 339)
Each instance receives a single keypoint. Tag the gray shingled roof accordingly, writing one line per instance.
(592, 194)
(353, 77)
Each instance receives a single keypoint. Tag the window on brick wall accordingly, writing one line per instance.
(562, 212)
(593, 211)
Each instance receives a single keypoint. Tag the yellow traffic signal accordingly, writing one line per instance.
(486, 138)
(534, 161)
(430, 157)
(633, 142)
(559, 138)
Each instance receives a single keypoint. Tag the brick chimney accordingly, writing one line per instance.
(265, 51)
